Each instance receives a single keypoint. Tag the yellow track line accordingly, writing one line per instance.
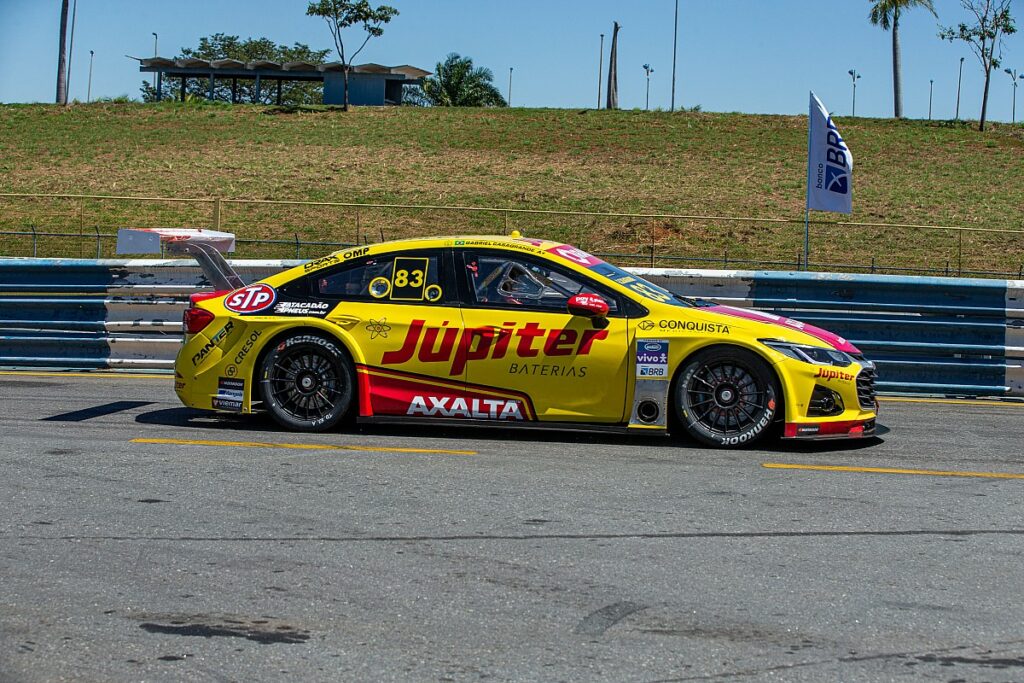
(302, 446)
(94, 375)
(891, 470)
(952, 401)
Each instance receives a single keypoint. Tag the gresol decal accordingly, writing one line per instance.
(449, 344)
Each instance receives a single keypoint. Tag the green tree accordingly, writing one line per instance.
(457, 83)
(886, 13)
(340, 15)
(222, 46)
(984, 37)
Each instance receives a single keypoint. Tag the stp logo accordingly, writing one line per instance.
(251, 299)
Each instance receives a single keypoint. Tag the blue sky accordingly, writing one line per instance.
(758, 56)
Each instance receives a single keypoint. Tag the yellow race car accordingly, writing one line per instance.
(514, 331)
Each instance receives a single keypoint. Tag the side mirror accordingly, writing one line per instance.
(588, 306)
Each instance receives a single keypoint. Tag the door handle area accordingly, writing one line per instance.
(345, 320)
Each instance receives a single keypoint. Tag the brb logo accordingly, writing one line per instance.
(251, 299)
(837, 166)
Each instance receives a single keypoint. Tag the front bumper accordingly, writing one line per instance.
(824, 431)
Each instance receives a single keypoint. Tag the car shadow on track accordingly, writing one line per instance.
(190, 418)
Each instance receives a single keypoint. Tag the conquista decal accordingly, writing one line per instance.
(459, 347)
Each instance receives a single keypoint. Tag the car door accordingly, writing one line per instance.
(402, 312)
(521, 338)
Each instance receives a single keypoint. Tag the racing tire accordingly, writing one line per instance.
(308, 383)
(726, 397)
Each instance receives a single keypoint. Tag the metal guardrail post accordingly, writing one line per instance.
(99, 251)
(216, 213)
(296, 244)
(506, 221)
(960, 253)
(34, 242)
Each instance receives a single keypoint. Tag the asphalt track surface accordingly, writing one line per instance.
(482, 554)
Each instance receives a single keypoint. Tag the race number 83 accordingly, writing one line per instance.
(409, 279)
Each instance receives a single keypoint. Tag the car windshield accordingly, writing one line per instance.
(637, 284)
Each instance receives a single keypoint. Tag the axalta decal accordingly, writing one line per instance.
(215, 341)
(834, 374)
(474, 408)
(460, 346)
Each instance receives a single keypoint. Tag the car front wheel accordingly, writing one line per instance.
(726, 397)
(308, 383)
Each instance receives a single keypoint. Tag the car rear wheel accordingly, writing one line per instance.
(308, 383)
(726, 397)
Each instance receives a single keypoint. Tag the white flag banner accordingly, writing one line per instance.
(829, 164)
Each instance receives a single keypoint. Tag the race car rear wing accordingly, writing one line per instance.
(205, 246)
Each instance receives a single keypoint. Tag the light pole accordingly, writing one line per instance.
(156, 53)
(1013, 77)
(88, 90)
(959, 80)
(600, 69)
(931, 91)
(854, 76)
(510, 86)
(648, 70)
(675, 43)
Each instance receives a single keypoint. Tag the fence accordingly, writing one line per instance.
(928, 335)
(81, 226)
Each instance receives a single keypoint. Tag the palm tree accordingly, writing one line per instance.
(886, 13)
(456, 83)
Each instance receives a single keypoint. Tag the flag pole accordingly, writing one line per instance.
(807, 202)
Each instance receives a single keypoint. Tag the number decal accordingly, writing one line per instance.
(409, 279)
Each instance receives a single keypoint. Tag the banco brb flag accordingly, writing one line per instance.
(829, 164)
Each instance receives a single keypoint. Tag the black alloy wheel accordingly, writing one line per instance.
(308, 383)
(726, 397)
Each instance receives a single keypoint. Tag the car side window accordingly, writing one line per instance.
(404, 277)
(500, 280)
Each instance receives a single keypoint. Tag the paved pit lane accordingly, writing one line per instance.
(140, 540)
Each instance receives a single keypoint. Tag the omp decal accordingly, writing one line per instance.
(337, 257)
(251, 299)
(444, 344)
(214, 342)
(247, 346)
(409, 278)
(389, 392)
(834, 374)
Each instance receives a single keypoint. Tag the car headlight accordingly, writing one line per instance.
(815, 355)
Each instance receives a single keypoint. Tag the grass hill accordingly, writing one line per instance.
(696, 164)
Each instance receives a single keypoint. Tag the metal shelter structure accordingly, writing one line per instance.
(369, 84)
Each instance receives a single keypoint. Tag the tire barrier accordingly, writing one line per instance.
(946, 336)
